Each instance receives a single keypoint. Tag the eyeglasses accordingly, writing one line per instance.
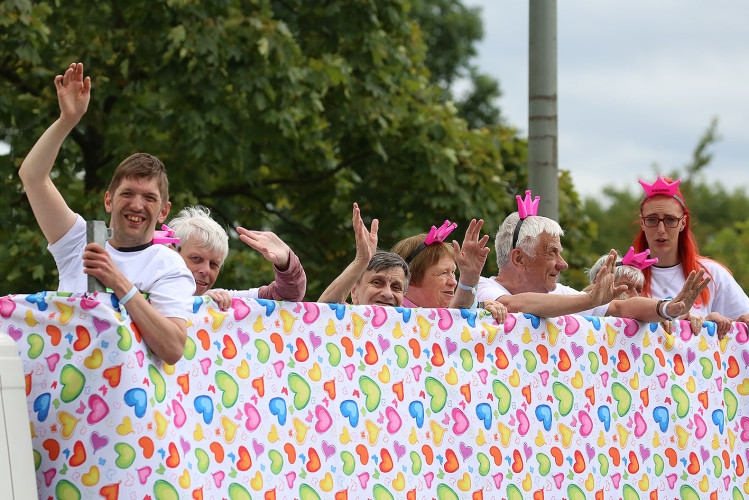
(667, 221)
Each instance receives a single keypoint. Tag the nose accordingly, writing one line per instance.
(137, 203)
(561, 263)
(386, 293)
(204, 268)
(452, 280)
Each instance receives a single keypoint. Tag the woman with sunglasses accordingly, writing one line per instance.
(664, 230)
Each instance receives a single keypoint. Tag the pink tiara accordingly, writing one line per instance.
(640, 260)
(660, 186)
(527, 207)
(441, 233)
(165, 236)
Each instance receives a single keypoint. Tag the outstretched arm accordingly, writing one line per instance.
(366, 246)
(291, 281)
(470, 259)
(52, 213)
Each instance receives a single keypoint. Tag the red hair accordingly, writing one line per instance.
(688, 251)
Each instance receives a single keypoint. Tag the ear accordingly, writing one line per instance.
(164, 212)
(683, 224)
(517, 257)
(108, 202)
(354, 298)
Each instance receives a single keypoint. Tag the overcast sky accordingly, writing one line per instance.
(638, 83)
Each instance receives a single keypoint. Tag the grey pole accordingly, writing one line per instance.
(543, 179)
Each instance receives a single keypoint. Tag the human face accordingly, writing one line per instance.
(634, 289)
(136, 206)
(384, 288)
(203, 264)
(541, 270)
(437, 287)
(663, 241)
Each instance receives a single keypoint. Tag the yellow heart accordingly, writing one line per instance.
(273, 434)
(94, 361)
(451, 377)
(731, 439)
(327, 483)
(656, 440)
(373, 432)
(646, 340)
(345, 438)
(723, 344)
(744, 387)
(125, 428)
(230, 429)
(669, 342)
(358, 324)
(67, 312)
(644, 483)
(168, 369)
(243, 370)
(437, 432)
(526, 337)
(683, 437)
(480, 439)
(330, 329)
(505, 433)
(515, 378)
(301, 430)
(634, 383)
(288, 320)
(465, 336)
(704, 484)
(33, 431)
(315, 373)
(566, 435)
(413, 438)
(384, 374)
(198, 434)
(184, 480)
(601, 440)
(702, 346)
(623, 435)
(746, 486)
(161, 424)
(691, 386)
(540, 441)
(553, 332)
(256, 483)
(218, 319)
(30, 320)
(591, 338)
(399, 482)
(577, 380)
(492, 330)
(397, 332)
(91, 478)
(258, 325)
(465, 483)
(611, 335)
(590, 483)
(424, 326)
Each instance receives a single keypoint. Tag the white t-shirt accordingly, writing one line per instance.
(726, 296)
(489, 289)
(156, 270)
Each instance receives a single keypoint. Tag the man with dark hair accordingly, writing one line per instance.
(130, 264)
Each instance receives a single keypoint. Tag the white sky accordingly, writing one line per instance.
(638, 83)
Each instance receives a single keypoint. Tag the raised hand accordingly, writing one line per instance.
(682, 303)
(471, 257)
(603, 290)
(366, 240)
(73, 93)
(269, 245)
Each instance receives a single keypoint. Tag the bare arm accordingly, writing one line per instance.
(470, 259)
(166, 337)
(52, 213)
(366, 246)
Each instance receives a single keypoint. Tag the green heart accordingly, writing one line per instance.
(125, 455)
(623, 398)
(72, 383)
(238, 492)
(263, 351)
(544, 464)
(530, 361)
(203, 460)
(126, 338)
(276, 461)
(229, 387)
(301, 390)
(159, 386)
(565, 397)
(401, 356)
(682, 400)
(334, 354)
(36, 345)
(465, 355)
(415, 463)
(164, 491)
(593, 362)
(504, 397)
(349, 463)
(438, 393)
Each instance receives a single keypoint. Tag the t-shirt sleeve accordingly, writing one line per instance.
(67, 252)
(171, 294)
(730, 299)
(488, 289)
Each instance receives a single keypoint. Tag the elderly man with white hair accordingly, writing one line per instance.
(529, 257)
(204, 245)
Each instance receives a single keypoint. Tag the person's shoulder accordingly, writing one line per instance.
(713, 267)
(565, 290)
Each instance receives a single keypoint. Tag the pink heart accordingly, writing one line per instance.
(686, 330)
(140, 356)
(380, 316)
(523, 423)
(727, 482)
(7, 307)
(417, 372)
(644, 452)
(586, 423)
(311, 313)
(671, 480)
(179, 414)
(616, 478)
(241, 310)
(315, 340)
(88, 303)
(527, 450)
(571, 325)
(364, 479)
(244, 338)
(394, 420)
(253, 417)
(49, 475)
(498, 479)
(558, 479)
(701, 429)
(327, 449)
(745, 430)
(544, 377)
(52, 361)
(461, 422)
(15, 333)
(205, 365)
(349, 371)
(590, 451)
(662, 379)
(465, 451)
(323, 419)
(428, 478)
(384, 343)
(99, 409)
(278, 366)
(742, 335)
(218, 478)
(719, 383)
(446, 319)
(605, 378)
(510, 323)
(635, 351)
(258, 448)
(513, 348)
(577, 351)
(98, 442)
(290, 478)
(185, 445)
(631, 327)
(101, 325)
(399, 449)
(482, 375)
(640, 425)
(143, 474)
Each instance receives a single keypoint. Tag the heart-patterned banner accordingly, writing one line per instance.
(307, 401)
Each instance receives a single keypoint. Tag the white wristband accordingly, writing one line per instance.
(129, 295)
(471, 289)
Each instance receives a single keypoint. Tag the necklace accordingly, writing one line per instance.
(676, 272)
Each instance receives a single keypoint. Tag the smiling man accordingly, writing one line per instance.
(130, 264)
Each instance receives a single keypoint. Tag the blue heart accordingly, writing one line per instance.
(269, 305)
(38, 299)
(41, 406)
(484, 412)
(416, 410)
(204, 404)
(137, 399)
(350, 410)
(277, 407)
(543, 414)
(654, 326)
(405, 311)
(595, 320)
(469, 315)
(604, 415)
(719, 419)
(340, 310)
(710, 328)
(660, 415)
(535, 320)
(197, 301)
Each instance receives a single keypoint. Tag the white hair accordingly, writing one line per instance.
(621, 271)
(531, 229)
(195, 223)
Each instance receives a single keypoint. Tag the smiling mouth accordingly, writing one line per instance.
(135, 218)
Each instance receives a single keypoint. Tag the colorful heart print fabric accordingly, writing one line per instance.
(307, 401)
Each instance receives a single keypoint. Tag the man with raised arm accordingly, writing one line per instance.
(130, 264)
(529, 257)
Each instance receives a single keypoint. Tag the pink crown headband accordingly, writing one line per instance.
(661, 187)
(639, 260)
(433, 235)
(165, 236)
(526, 208)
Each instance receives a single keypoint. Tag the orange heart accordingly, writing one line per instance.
(478, 495)
(451, 462)
(564, 361)
(615, 457)
(526, 391)
(110, 491)
(313, 460)
(739, 466)
(465, 390)
(726, 459)
(497, 455)
(54, 333)
(634, 464)
(623, 365)
(290, 452)
(599, 495)
(53, 447)
(84, 339)
(702, 398)
(411, 495)
(479, 350)
(544, 353)
(579, 465)
(714, 495)
(184, 383)
(415, 347)
(556, 453)
(270, 495)
(661, 358)
(694, 464)
(245, 461)
(147, 444)
(79, 454)
(386, 462)
(604, 355)
(502, 362)
(654, 495)
(204, 338)
(733, 367)
(363, 453)
(341, 495)
(517, 462)
(230, 350)
(538, 495)
(218, 451)
(678, 365)
(329, 386)
(27, 379)
(172, 460)
(302, 353)
(671, 455)
(135, 331)
(198, 494)
(371, 356)
(259, 385)
(590, 392)
(716, 356)
(645, 397)
(277, 341)
(426, 450)
(437, 358)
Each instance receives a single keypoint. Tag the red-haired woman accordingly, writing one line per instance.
(664, 229)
